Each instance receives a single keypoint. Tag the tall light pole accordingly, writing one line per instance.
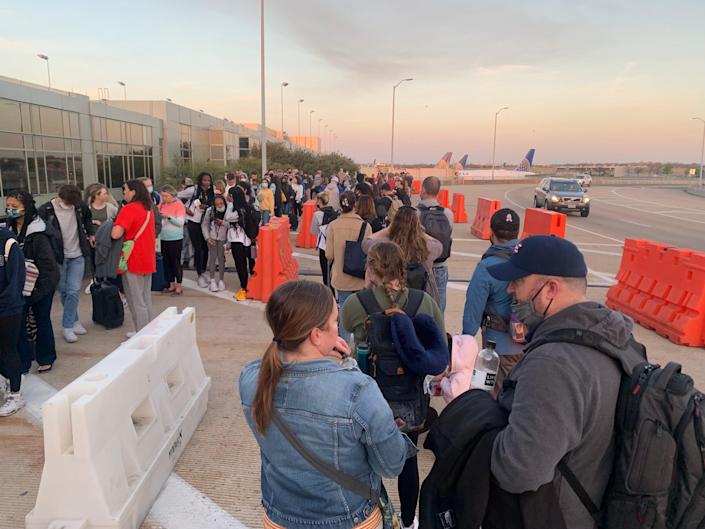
(310, 128)
(702, 152)
(494, 141)
(319, 134)
(284, 84)
(46, 58)
(263, 129)
(124, 89)
(394, 95)
(325, 133)
(299, 114)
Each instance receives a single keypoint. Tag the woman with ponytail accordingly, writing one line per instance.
(333, 409)
(385, 276)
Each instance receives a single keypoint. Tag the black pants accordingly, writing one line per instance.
(171, 252)
(408, 486)
(200, 247)
(44, 349)
(251, 257)
(324, 269)
(10, 366)
(240, 256)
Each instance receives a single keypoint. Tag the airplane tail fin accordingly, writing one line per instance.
(527, 162)
(445, 161)
(460, 164)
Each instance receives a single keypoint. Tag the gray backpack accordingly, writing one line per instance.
(658, 477)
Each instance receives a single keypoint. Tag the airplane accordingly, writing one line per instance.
(460, 164)
(522, 170)
(445, 160)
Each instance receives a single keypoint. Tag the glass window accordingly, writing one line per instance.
(136, 134)
(13, 171)
(10, 117)
(117, 171)
(54, 144)
(10, 141)
(67, 126)
(26, 119)
(70, 173)
(56, 172)
(217, 152)
(78, 166)
(32, 173)
(148, 135)
(42, 173)
(101, 170)
(75, 145)
(148, 163)
(75, 128)
(138, 165)
(114, 130)
(36, 122)
(51, 121)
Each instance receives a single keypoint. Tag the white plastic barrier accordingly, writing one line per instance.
(113, 436)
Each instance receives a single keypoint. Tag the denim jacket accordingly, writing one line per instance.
(341, 416)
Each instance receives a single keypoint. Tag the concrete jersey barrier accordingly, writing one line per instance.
(113, 436)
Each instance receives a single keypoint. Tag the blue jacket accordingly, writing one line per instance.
(485, 293)
(340, 415)
(12, 275)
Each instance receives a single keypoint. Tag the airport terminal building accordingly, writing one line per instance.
(51, 137)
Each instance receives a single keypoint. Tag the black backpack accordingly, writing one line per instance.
(416, 276)
(658, 478)
(329, 215)
(402, 389)
(108, 309)
(252, 222)
(436, 224)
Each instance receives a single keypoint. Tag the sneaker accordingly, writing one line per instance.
(79, 329)
(202, 281)
(213, 286)
(241, 295)
(69, 335)
(414, 525)
(4, 387)
(130, 334)
(221, 285)
(13, 404)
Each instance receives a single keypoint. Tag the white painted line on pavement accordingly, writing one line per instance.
(305, 256)
(600, 252)
(465, 254)
(636, 223)
(607, 278)
(470, 240)
(634, 199)
(178, 506)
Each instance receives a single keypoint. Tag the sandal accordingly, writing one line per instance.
(44, 368)
(177, 292)
(168, 290)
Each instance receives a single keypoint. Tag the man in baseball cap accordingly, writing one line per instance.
(487, 303)
(561, 398)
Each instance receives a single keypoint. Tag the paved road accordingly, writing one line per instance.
(221, 464)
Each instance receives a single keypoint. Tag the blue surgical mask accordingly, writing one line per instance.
(14, 213)
(526, 313)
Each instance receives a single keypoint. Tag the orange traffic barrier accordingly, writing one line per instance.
(275, 263)
(661, 287)
(485, 209)
(416, 187)
(306, 239)
(542, 222)
(443, 198)
(460, 216)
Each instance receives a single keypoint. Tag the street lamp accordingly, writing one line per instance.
(284, 84)
(46, 58)
(298, 140)
(263, 129)
(494, 142)
(319, 134)
(310, 128)
(124, 89)
(702, 151)
(394, 94)
(325, 133)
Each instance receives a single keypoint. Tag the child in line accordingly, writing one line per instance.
(215, 231)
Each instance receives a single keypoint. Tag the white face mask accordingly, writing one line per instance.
(150, 189)
(64, 206)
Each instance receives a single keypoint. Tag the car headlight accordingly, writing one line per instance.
(586, 200)
(554, 198)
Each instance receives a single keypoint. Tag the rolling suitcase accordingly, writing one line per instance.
(108, 310)
(159, 277)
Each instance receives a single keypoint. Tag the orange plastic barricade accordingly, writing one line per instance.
(275, 263)
(460, 216)
(485, 209)
(662, 288)
(542, 222)
(416, 187)
(306, 239)
(443, 198)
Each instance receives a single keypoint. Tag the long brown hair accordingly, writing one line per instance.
(407, 232)
(293, 311)
(365, 207)
(386, 262)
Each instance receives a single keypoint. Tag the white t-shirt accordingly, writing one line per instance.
(197, 212)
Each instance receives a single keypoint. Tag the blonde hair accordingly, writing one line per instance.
(386, 262)
(323, 198)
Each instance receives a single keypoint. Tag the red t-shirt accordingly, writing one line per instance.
(143, 259)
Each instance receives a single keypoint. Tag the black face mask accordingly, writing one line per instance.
(525, 314)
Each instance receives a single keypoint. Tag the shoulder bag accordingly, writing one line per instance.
(128, 246)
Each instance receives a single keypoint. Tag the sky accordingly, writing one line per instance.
(585, 81)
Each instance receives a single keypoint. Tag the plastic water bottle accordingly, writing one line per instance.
(484, 374)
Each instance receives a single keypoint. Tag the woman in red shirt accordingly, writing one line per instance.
(135, 223)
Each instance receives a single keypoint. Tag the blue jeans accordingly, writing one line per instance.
(70, 287)
(265, 217)
(342, 296)
(440, 273)
(44, 348)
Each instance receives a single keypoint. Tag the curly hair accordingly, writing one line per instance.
(406, 231)
(385, 261)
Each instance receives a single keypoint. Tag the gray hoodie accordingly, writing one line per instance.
(563, 402)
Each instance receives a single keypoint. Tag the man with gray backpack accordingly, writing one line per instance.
(621, 439)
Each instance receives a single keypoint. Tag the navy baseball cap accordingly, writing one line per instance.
(541, 254)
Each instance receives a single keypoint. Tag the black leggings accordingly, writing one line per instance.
(10, 366)
(324, 268)
(241, 254)
(408, 486)
(171, 252)
(200, 246)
